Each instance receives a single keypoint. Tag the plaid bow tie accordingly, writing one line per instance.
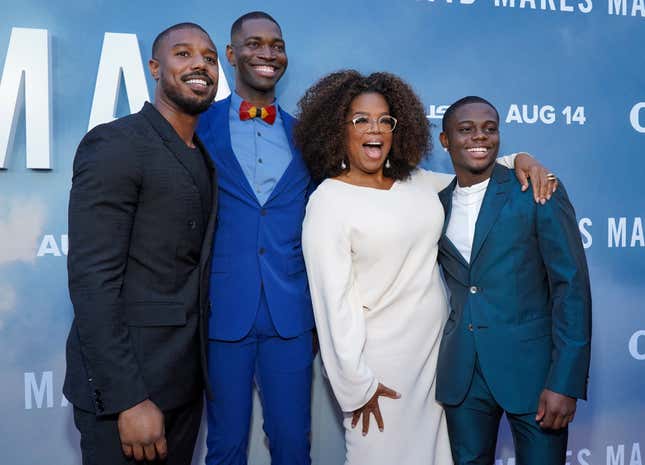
(248, 111)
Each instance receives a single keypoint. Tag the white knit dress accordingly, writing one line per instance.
(380, 308)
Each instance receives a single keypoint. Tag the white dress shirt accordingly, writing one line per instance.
(466, 202)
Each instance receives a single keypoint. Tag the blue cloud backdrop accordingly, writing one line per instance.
(446, 50)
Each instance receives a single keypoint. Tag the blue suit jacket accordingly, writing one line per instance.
(522, 306)
(256, 246)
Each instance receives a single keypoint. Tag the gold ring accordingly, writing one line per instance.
(551, 177)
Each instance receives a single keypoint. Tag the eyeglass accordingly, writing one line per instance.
(384, 123)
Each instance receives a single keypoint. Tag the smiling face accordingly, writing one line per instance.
(257, 52)
(367, 151)
(472, 139)
(185, 68)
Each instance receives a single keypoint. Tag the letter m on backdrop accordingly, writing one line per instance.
(25, 81)
(39, 392)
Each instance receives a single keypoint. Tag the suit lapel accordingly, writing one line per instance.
(223, 155)
(445, 196)
(178, 148)
(212, 217)
(168, 135)
(494, 199)
(172, 141)
(296, 167)
(212, 175)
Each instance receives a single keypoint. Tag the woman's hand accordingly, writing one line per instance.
(371, 407)
(543, 181)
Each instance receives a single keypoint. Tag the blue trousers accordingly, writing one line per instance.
(473, 427)
(282, 371)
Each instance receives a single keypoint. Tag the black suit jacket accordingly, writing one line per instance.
(138, 266)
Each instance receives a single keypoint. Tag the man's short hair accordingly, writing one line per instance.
(460, 103)
(237, 25)
(162, 35)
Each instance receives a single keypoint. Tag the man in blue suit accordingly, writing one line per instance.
(261, 322)
(518, 336)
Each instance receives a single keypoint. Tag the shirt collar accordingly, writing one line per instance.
(471, 190)
(236, 101)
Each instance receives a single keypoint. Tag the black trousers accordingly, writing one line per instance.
(100, 443)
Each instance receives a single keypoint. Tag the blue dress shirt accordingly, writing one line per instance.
(262, 149)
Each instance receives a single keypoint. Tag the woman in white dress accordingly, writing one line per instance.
(370, 245)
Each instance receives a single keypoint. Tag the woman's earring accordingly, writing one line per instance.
(343, 166)
(387, 163)
(445, 149)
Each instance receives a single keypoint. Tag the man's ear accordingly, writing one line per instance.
(443, 138)
(230, 55)
(153, 65)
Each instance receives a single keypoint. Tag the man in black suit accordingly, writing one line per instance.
(141, 224)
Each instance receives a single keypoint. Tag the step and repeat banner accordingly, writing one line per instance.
(568, 79)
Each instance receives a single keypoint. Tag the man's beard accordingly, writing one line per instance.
(482, 170)
(190, 105)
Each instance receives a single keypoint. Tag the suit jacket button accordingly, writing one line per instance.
(263, 212)
(261, 251)
(474, 290)
(192, 224)
(470, 327)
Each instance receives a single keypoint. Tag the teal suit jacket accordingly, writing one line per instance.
(522, 305)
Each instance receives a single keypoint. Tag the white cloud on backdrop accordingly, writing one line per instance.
(7, 302)
(21, 227)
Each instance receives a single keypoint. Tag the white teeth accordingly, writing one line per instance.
(267, 69)
(373, 144)
(478, 149)
(200, 82)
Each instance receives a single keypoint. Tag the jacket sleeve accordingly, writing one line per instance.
(102, 208)
(337, 307)
(566, 265)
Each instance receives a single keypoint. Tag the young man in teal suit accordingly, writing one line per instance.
(261, 322)
(517, 340)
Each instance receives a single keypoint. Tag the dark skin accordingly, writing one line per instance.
(527, 168)
(366, 169)
(367, 172)
(258, 45)
(472, 139)
(471, 169)
(555, 410)
(366, 152)
(372, 408)
(186, 71)
(257, 53)
(475, 140)
(185, 57)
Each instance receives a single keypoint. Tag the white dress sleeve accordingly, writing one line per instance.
(441, 180)
(508, 161)
(337, 306)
